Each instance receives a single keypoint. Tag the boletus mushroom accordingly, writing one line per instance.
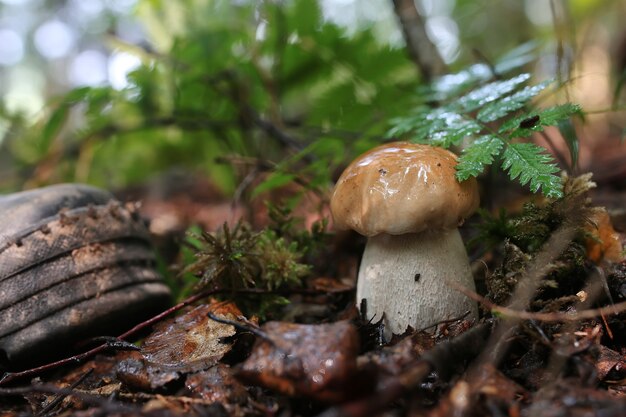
(406, 199)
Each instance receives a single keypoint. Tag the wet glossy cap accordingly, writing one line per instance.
(402, 187)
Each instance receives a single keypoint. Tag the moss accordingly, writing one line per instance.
(271, 259)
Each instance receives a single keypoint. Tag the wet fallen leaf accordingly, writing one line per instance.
(191, 341)
(609, 360)
(392, 360)
(330, 285)
(315, 361)
(187, 343)
(486, 389)
(217, 384)
(567, 398)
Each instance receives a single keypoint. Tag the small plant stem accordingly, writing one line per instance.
(61, 396)
(246, 328)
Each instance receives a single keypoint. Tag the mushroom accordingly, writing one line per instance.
(405, 198)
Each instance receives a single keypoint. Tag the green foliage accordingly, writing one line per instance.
(491, 115)
(531, 228)
(284, 225)
(274, 82)
(529, 162)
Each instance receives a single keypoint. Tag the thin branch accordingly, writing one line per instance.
(243, 327)
(421, 49)
(555, 317)
(60, 397)
(104, 403)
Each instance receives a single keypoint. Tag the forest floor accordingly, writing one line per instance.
(563, 355)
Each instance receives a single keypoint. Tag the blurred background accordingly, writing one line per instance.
(116, 92)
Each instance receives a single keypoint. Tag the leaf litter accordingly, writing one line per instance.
(335, 365)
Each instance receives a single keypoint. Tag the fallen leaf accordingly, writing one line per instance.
(316, 361)
(192, 341)
(609, 360)
(217, 384)
(187, 343)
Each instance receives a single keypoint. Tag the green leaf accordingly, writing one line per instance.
(59, 115)
(404, 125)
(77, 94)
(532, 165)
(566, 127)
(480, 153)
(440, 127)
(517, 57)
(274, 180)
(498, 109)
(453, 84)
(450, 129)
(53, 126)
(550, 116)
(490, 92)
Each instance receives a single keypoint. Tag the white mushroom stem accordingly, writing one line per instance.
(405, 277)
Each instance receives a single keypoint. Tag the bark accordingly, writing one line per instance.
(423, 52)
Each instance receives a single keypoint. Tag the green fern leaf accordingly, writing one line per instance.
(450, 129)
(440, 127)
(498, 109)
(415, 120)
(550, 116)
(532, 165)
(474, 158)
(490, 92)
(452, 85)
(553, 115)
(517, 57)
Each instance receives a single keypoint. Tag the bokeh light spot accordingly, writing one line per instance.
(120, 64)
(11, 47)
(88, 68)
(54, 39)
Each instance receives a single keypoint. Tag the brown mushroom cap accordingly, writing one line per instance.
(402, 187)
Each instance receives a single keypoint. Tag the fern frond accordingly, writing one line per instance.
(509, 104)
(474, 158)
(490, 92)
(550, 116)
(487, 115)
(532, 165)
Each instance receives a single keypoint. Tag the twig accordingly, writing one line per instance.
(104, 403)
(545, 317)
(237, 325)
(498, 343)
(448, 321)
(60, 397)
(111, 342)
